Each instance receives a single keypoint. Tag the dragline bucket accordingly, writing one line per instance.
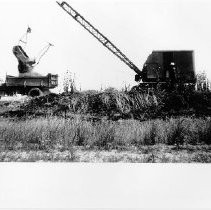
(25, 64)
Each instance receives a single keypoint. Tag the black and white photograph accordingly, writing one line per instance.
(108, 81)
(105, 82)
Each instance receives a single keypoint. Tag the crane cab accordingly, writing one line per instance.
(169, 67)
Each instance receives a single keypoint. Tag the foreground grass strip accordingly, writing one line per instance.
(148, 154)
(54, 133)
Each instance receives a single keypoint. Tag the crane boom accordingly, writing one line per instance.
(99, 36)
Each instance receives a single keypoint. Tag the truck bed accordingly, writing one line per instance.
(49, 81)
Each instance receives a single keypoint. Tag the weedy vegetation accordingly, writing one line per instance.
(56, 135)
(107, 126)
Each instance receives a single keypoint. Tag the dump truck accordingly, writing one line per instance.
(32, 86)
(29, 82)
(167, 69)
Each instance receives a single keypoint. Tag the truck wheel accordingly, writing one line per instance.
(46, 92)
(35, 92)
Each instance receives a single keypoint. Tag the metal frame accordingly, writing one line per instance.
(98, 35)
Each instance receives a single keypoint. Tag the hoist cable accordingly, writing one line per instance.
(24, 38)
(42, 52)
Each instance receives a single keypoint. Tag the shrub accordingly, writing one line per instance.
(175, 133)
(150, 136)
(201, 157)
(104, 136)
(204, 133)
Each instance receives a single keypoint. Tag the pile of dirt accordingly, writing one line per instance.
(115, 105)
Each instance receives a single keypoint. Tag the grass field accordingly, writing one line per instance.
(58, 139)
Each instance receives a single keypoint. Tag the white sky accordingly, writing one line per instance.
(135, 26)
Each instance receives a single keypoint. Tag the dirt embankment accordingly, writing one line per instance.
(112, 105)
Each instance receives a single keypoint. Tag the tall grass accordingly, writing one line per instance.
(62, 134)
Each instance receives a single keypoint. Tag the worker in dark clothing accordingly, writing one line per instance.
(172, 72)
(171, 75)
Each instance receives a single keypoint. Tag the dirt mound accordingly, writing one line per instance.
(116, 105)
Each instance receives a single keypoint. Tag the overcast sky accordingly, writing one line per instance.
(135, 26)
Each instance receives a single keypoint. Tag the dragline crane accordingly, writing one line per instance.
(166, 68)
